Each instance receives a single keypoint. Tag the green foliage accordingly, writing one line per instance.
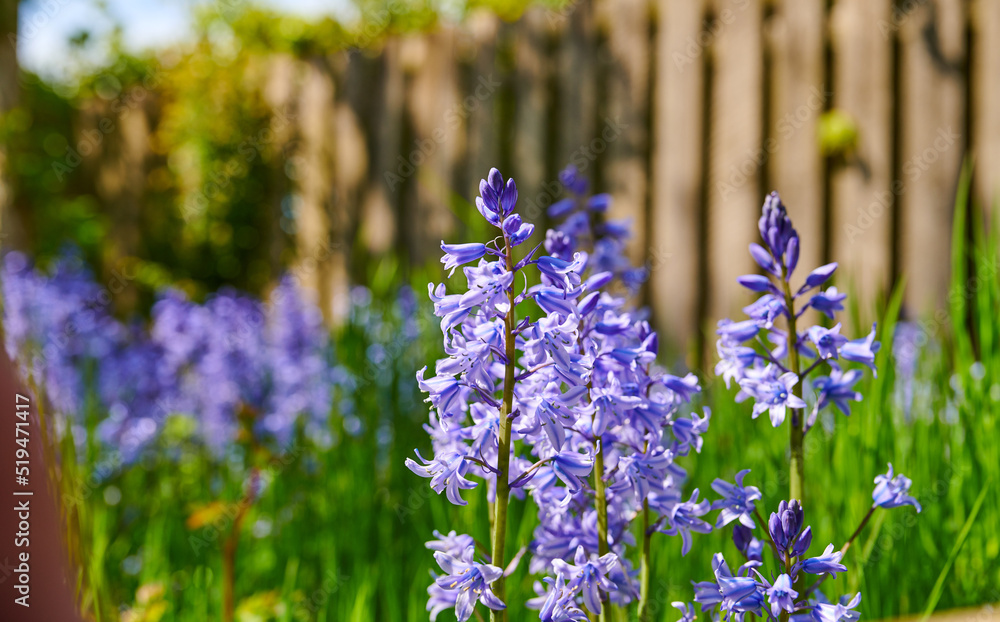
(337, 533)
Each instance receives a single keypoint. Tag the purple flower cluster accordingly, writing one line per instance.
(772, 375)
(772, 372)
(749, 591)
(595, 426)
(583, 226)
(229, 361)
(789, 540)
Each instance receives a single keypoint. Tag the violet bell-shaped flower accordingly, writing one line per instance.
(588, 576)
(737, 501)
(891, 491)
(470, 580)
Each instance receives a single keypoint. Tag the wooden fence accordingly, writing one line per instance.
(688, 111)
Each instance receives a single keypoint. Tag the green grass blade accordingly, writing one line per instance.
(939, 584)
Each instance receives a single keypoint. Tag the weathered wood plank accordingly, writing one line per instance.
(531, 76)
(432, 104)
(678, 116)
(315, 180)
(800, 92)
(381, 204)
(736, 150)
(576, 84)
(628, 85)
(483, 129)
(986, 93)
(932, 48)
(862, 199)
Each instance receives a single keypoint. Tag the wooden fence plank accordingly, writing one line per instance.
(627, 104)
(932, 47)
(483, 130)
(734, 193)
(677, 170)
(800, 92)
(432, 102)
(315, 177)
(986, 103)
(862, 198)
(381, 202)
(531, 74)
(576, 84)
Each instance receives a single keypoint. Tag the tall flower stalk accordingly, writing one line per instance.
(499, 538)
(774, 375)
(568, 410)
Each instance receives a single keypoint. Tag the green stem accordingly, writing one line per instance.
(644, 565)
(499, 539)
(796, 474)
(601, 501)
(843, 550)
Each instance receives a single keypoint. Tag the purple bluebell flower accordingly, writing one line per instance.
(773, 394)
(827, 341)
(559, 244)
(764, 259)
(892, 491)
(558, 604)
(862, 350)
(843, 611)
(570, 466)
(828, 562)
(588, 575)
(456, 255)
(452, 543)
(757, 283)
(828, 302)
(683, 518)
(737, 501)
(819, 276)
(740, 593)
(802, 542)
(735, 333)
(586, 382)
(785, 524)
(781, 596)
(766, 310)
(776, 227)
(687, 611)
(707, 594)
(445, 471)
(470, 581)
(837, 389)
